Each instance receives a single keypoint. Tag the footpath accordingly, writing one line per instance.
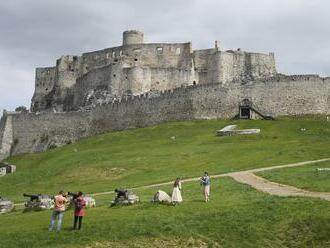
(259, 183)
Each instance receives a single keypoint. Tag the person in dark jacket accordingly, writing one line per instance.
(79, 210)
(206, 184)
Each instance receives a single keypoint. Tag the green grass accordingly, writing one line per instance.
(236, 216)
(143, 156)
(304, 177)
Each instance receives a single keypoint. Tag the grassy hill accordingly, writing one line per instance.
(237, 216)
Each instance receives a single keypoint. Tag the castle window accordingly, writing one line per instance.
(114, 75)
(178, 51)
(194, 82)
(46, 89)
(116, 60)
(159, 50)
(135, 59)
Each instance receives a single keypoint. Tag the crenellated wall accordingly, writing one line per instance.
(135, 68)
(280, 95)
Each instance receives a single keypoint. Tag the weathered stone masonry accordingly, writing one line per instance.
(136, 67)
(292, 95)
(138, 85)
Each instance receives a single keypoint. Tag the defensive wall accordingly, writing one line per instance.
(278, 96)
(136, 67)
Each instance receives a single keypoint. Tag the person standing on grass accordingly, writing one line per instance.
(206, 184)
(79, 210)
(176, 194)
(58, 212)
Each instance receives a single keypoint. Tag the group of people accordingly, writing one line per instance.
(79, 203)
(177, 189)
(60, 202)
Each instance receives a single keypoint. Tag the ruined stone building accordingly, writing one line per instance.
(140, 84)
(136, 67)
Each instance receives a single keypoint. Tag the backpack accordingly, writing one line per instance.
(78, 204)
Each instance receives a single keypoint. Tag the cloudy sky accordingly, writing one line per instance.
(34, 33)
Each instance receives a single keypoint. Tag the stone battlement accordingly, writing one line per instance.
(137, 67)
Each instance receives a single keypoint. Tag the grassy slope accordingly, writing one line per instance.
(237, 216)
(149, 155)
(305, 177)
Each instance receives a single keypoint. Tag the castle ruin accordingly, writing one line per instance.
(141, 84)
(136, 67)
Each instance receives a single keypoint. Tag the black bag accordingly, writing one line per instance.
(78, 204)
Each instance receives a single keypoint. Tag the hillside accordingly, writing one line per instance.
(237, 216)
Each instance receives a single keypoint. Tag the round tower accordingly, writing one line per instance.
(132, 37)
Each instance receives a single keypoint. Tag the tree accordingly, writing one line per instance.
(21, 109)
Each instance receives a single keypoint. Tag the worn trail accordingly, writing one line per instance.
(249, 178)
(273, 188)
(256, 182)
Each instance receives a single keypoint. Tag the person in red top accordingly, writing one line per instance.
(79, 210)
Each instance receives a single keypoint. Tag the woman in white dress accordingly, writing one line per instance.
(176, 194)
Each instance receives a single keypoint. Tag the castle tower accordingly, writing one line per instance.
(132, 37)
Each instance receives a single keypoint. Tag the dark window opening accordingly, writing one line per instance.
(114, 75)
(135, 59)
(245, 113)
(116, 60)
(194, 83)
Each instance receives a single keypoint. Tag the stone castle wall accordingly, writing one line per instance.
(136, 67)
(283, 95)
(6, 136)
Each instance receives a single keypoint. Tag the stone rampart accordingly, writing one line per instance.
(284, 95)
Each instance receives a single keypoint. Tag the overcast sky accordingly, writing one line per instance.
(34, 33)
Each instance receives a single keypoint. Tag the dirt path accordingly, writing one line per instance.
(258, 183)
(249, 178)
(272, 188)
